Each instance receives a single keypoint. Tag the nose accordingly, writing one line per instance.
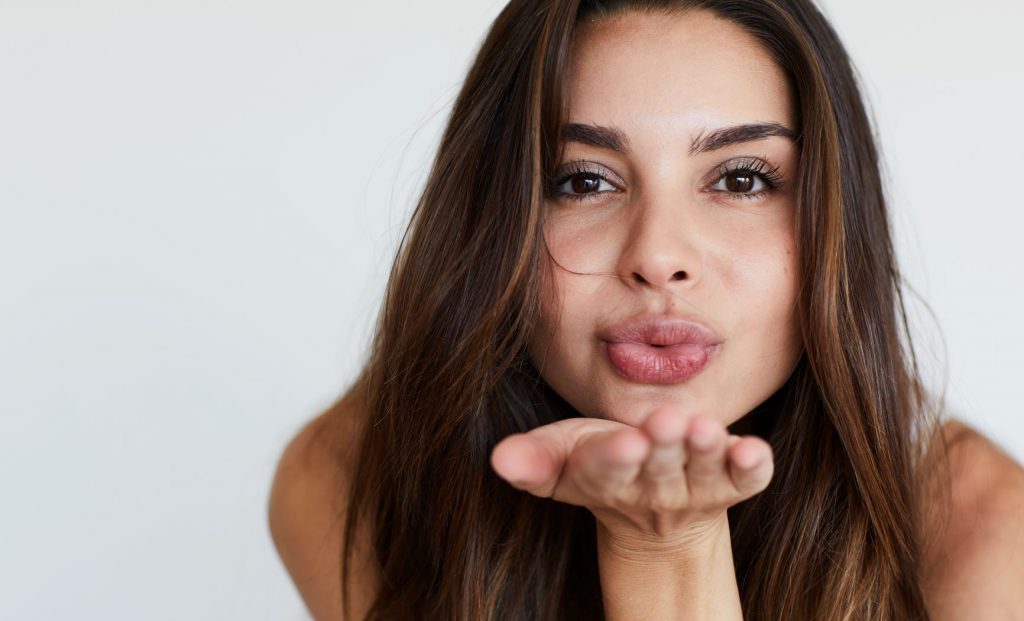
(660, 251)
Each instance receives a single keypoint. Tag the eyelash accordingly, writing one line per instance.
(757, 167)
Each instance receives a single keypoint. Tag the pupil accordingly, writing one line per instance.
(583, 184)
(739, 182)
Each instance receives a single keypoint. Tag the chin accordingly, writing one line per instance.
(725, 406)
(632, 409)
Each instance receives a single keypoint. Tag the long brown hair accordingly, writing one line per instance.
(836, 535)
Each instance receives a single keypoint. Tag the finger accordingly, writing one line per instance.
(705, 443)
(666, 428)
(530, 461)
(533, 461)
(610, 460)
(751, 465)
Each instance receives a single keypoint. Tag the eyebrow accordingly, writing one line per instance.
(616, 140)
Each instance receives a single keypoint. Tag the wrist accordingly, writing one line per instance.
(684, 576)
(697, 541)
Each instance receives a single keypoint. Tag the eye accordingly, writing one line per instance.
(580, 181)
(746, 179)
(742, 182)
(583, 183)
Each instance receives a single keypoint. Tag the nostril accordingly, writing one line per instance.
(639, 278)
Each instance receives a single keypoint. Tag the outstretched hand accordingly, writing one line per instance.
(665, 481)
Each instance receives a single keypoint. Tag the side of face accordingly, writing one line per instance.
(658, 228)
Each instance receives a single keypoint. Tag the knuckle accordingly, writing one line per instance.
(705, 477)
(608, 497)
(658, 470)
(704, 470)
(663, 499)
(664, 525)
(592, 486)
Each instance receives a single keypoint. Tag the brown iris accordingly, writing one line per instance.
(583, 184)
(739, 182)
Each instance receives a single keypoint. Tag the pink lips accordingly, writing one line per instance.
(660, 349)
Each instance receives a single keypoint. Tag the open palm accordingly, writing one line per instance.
(672, 475)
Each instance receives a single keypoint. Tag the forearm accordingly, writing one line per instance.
(696, 583)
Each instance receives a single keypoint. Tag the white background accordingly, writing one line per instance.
(200, 201)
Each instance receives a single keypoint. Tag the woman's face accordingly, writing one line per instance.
(670, 214)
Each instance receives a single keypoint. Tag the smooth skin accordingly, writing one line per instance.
(672, 478)
(660, 500)
(658, 230)
(664, 228)
(660, 233)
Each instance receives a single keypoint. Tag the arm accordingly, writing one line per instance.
(304, 525)
(696, 583)
(976, 567)
(306, 518)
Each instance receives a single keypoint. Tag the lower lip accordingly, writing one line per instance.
(670, 364)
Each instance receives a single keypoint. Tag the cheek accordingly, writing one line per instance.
(576, 258)
(561, 344)
(764, 342)
(763, 279)
(757, 257)
(767, 270)
(554, 293)
(584, 239)
(763, 290)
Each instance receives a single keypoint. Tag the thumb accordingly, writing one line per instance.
(530, 461)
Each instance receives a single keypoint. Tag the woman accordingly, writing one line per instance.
(643, 353)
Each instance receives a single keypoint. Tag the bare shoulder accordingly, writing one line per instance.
(306, 513)
(974, 563)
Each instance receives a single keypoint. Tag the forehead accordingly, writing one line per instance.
(670, 75)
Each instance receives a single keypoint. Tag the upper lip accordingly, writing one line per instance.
(661, 330)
